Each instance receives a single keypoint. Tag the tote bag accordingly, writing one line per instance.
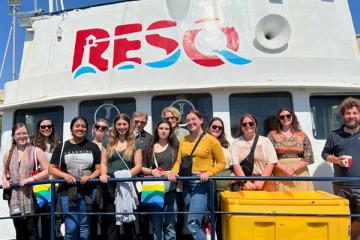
(153, 193)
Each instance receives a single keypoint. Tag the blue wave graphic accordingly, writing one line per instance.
(233, 58)
(83, 70)
(166, 62)
(126, 67)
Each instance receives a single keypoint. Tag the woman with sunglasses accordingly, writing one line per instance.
(264, 157)
(122, 153)
(216, 129)
(100, 132)
(160, 160)
(207, 160)
(174, 117)
(45, 139)
(293, 149)
(76, 159)
(19, 164)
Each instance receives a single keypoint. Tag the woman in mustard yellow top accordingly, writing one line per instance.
(207, 160)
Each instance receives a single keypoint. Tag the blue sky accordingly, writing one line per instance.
(5, 23)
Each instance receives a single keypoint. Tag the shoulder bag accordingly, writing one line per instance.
(186, 161)
(247, 164)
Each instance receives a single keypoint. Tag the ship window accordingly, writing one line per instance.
(263, 106)
(106, 109)
(325, 114)
(31, 116)
(184, 103)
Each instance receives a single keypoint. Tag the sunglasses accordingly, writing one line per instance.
(103, 128)
(171, 118)
(142, 123)
(46, 126)
(282, 117)
(216, 127)
(247, 124)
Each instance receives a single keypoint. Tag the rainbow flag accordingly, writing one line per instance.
(42, 194)
(153, 193)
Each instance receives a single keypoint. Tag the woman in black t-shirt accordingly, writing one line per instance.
(77, 158)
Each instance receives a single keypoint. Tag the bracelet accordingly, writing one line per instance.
(33, 179)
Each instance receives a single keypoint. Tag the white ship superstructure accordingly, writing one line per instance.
(223, 57)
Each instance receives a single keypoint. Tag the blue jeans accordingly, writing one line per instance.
(76, 226)
(169, 220)
(156, 222)
(196, 196)
(171, 205)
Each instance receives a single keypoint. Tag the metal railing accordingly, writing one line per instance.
(212, 212)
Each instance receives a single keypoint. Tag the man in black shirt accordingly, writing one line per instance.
(341, 145)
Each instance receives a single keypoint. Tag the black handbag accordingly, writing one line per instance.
(247, 164)
(186, 162)
(7, 194)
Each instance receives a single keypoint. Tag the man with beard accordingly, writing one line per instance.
(342, 145)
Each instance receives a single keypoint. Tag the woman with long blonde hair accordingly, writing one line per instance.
(122, 153)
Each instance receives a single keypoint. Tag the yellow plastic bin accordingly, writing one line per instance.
(270, 227)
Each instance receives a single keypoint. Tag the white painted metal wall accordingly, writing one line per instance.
(321, 56)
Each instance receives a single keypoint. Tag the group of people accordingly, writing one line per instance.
(125, 149)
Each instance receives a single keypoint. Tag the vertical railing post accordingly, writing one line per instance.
(52, 211)
(212, 208)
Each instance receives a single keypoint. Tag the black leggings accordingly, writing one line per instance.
(26, 228)
(109, 228)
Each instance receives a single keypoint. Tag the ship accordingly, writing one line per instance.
(221, 57)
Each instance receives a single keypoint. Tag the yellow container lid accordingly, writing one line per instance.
(283, 198)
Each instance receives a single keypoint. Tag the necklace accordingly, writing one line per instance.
(289, 141)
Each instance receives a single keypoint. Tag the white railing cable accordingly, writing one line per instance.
(5, 53)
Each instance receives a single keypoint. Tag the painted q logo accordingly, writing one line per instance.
(232, 44)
